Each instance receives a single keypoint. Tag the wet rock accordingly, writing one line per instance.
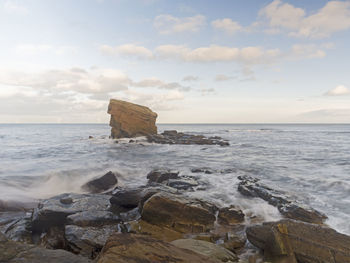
(206, 249)
(161, 175)
(16, 206)
(88, 241)
(286, 204)
(180, 214)
(102, 183)
(19, 229)
(174, 137)
(205, 170)
(66, 201)
(182, 183)
(93, 218)
(51, 212)
(91, 137)
(54, 238)
(131, 120)
(14, 252)
(139, 248)
(230, 215)
(295, 241)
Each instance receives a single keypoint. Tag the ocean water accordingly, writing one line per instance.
(310, 161)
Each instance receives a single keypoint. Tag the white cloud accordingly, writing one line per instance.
(167, 24)
(332, 18)
(222, 77)
(307, 51)
(227, 25)
(14, 7)
(339, 90)
(157, 83)
(190, 78)
(127, 50)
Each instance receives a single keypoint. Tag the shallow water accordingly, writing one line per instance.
(311, 161)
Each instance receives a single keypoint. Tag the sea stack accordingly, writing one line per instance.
(131, 120)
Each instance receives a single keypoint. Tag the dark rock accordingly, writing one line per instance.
(54, 238)
(127, 198)
(16, 206)
(286, 204)
(102, 184)
(126, 248)
(93, 218)
(51, 212)
(183, 183)
(14, 252)
(161, 175)
(66, 201)
(180, 214)
(88, 241)
(230, 215)
(91, 137)
(205, 170)
(174, 137)
(131, 141)
(295, 241)
(19, 229)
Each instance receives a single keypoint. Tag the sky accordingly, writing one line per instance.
(193, 61)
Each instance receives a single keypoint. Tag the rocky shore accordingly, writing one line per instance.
(158, 222)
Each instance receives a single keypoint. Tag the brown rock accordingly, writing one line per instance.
(131, 120)
(183, 215)
(295, 241)
(132, 248)
(230, 215)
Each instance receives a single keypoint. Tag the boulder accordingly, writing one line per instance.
(131, 120)
(14, 252)
(294, 241)
(161, 175)
(180, 214)
(102, 183)
(288, 205)
(206, 249)
(230, 215)
(93, 218)
(19, 229)
(133, 248)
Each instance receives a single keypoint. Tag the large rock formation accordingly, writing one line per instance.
(294, 241)
(131, 120)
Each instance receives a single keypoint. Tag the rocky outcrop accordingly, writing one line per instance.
(286, 204)
(131, 120)
(294, 241)
(133, 248)
(230, 215)
(102, 183)
(206, 249)
(174, 137)
(14, 252)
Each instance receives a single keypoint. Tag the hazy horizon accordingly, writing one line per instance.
(193, 61)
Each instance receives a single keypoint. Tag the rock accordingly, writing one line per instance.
(54, 238)
(14, 252)
(161, 175)
(174, 137)
(205, 170)
(230, 215)
(182, 183)
(179, 214)
(132, 248)
(286, 204)
(19, 229)
(297, 241)
(206, 249)
(93, 218)
(66, 201)
(15, 206)
(91, 137)
(131, 120)
(51, 212)
(102, 183)
(88, 241)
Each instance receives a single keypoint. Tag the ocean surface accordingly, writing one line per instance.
(311, 162)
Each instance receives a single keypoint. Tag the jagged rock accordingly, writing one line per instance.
(88, 241)
(286, 204)
(132, 248)
(131, 120)
(51, 212)
(19, 229)
(14, 252)
(161, 175)
(102, 183)
(93, 218)
(53, 238)
(206, 249)
(180, 214)
(295, 241)
(230, 215)
(174, 137)
(183, 183)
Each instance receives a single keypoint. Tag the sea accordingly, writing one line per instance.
(309, 161)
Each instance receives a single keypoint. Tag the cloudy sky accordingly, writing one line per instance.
(194, 61)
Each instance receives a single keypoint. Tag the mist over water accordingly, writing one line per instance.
(310, 161)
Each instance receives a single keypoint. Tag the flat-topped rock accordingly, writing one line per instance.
(131, 120)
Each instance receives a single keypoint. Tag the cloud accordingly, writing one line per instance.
(32, 49)
(167, 24)
(222, 77)
(307, 51)
(157, 83)
(332, 18)
(339, 90)
(227, 25)
(190, 78)
(14, 7)
(127, 50)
